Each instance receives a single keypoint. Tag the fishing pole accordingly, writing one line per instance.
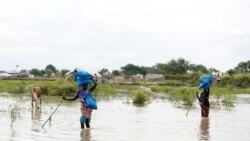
(52, 113)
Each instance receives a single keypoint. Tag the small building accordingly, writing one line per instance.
(219, 74)
(23, 73)
(119, 77)
(1, 71)
(137, 76)
(4, 74)
(154, 76)
(106, 75)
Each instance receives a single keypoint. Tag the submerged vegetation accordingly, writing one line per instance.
(186, 95)
(222, 92)
(140, 98)
(14, 112)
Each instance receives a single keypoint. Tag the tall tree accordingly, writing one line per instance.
(116, 72)
(210, 70)
(131, 69)
(42, 72)
(179, 66)
(50, 67)
(231, 72)
(63, 72)
(160, 68)
(49, 72)
(197, 68)
(243, 67)
(35, 72)
(102, 71)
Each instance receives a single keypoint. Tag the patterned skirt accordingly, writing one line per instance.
(86, 112)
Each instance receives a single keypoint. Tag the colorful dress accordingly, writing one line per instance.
(85, 110)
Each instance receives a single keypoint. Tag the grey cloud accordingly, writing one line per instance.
(113, 33)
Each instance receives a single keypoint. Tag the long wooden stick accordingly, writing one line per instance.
(52, 113)
(190, 107)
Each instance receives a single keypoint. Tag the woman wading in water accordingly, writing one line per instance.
(204, 102)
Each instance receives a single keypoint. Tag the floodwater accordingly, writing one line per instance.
(119, 120)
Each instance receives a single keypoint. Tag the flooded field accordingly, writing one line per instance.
(118, 120)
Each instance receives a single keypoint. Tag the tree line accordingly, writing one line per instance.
(48, 71)
(242, 67)
(173, 67)
(178, 66)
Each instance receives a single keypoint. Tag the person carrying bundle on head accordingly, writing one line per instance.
(206, 82)
(87, 102)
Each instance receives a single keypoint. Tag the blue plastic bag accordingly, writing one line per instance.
(205, 82)
(91, 102)
(82, 77)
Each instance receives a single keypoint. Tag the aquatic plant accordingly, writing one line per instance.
(185, 95)
(14, 112)
(140, 98)
(229, 100)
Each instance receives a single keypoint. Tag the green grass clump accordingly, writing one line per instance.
(156, 89)
(186, 95)
(104, 89)
(229, 100)
(140, 98)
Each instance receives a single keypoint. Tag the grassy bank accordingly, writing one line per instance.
(57, 87)
(178, 94)
(239, 81)
(186, 95)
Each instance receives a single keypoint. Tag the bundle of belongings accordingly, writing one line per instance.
(205, 81)
(82, 77)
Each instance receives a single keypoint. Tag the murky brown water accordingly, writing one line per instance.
(116, 120)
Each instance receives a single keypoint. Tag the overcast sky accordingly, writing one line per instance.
(112, 33)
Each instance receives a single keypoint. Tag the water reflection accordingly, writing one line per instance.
(85, 135)
(139, 105)
(36, 113)
(36, 117)
(13, 132)
(204, 129)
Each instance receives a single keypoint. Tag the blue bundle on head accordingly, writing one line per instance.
(205, 81)
(82, 77)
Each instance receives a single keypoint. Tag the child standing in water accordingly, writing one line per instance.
(82, 94)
